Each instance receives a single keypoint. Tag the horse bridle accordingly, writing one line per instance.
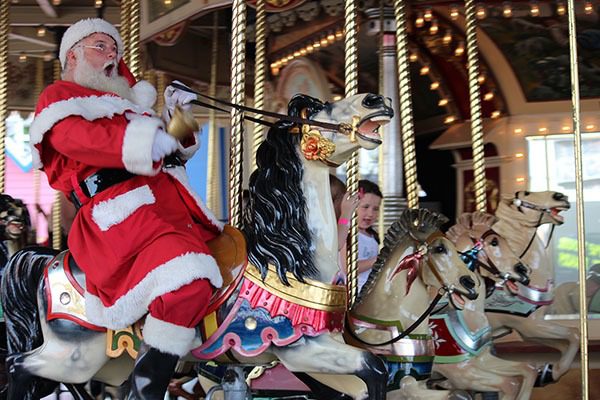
(343, 128)
(421, 251)
(470, 257)
(522, 203)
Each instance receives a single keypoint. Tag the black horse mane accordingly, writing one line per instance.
(415, 225)
(275, 216)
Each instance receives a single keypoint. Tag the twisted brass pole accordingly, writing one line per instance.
(259, 75)
(4, 27)
(238, 69)
(161, 85)
(56, 204)
(475, 103)
(381, 182)
(125, 16)
(404, 94)
(352, 172)
(134, 39)
(575, 96)
(213, 139)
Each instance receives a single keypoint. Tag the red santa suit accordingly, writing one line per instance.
(141, 242)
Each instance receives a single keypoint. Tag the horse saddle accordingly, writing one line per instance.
(66, 281)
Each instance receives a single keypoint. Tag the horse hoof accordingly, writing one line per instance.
(544, 376)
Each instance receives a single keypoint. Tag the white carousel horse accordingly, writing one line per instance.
(290, 227)
(463, 337)
(390, 317)
(519, 217)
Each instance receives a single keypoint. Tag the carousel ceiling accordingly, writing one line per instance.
(530, 35)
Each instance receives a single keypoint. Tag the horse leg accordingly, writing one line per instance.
(325, 355)
(555, 336)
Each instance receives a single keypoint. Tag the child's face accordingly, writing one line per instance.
(368, 210)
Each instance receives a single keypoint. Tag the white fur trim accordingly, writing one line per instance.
(168, 337)
(179, 174)
(165, 278)
(84, 28)
(114, 211)
(188, 152)
(90, 108)
(144, 93)
(137, 144)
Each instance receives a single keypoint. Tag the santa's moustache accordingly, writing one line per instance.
(86, 75)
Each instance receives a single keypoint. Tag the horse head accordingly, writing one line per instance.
(485, 251)
(359, 118)
(416, 245)
(14, 218)
(536, 208)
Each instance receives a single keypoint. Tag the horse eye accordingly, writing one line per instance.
(440, 248)
(527, 193)
(494, 242)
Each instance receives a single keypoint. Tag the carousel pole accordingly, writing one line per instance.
(351, 88)
(259, 75)
(238, 69)
(213, 139)
(380, 163)
(406, 117)
(475, 103)
(3, 87)
(134, 39)
(125, 16)
(56, 204)
(575, 97)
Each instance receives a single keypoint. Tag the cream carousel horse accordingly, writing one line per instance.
(390, 317)
(462, 336)
(519, 217)
(282, 306)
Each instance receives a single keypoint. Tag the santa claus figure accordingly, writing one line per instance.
(140, 232)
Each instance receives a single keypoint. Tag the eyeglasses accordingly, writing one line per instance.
(101, 48)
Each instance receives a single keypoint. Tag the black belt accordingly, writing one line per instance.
(105, 178)
(99, 181)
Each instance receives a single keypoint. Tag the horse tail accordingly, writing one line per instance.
(18, 293)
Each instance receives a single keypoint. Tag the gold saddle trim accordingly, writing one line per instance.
(310, 293)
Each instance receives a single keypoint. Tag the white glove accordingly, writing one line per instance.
(179, 97)
(164, 144)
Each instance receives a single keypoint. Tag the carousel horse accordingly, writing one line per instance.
(462, 336)
(518, 220)
(15, 226)
(390, 317)
(281, 305)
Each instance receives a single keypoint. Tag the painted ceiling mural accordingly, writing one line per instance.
(538, 51)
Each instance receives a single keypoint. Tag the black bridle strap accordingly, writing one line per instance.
(213, 107)
(342, 128)
(405, 333)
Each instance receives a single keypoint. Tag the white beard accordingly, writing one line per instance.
(86, 75)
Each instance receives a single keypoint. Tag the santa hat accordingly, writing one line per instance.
(84, 28)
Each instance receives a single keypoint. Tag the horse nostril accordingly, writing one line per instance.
(521, 269)
(467, 282)
(373, 101)
(558, 196)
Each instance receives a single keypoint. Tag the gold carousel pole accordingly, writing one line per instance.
(125, 27)
(238, 69)
(380, 165)
(475, 102)
(57, 203)
(3, 86)
(134, 39)
(259, 76)
(213, 139)
(575, 95)
(404, 94)
(352, 174)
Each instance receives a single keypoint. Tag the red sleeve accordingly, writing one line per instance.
(96, 143)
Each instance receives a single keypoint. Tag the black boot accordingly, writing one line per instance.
(151, 374)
